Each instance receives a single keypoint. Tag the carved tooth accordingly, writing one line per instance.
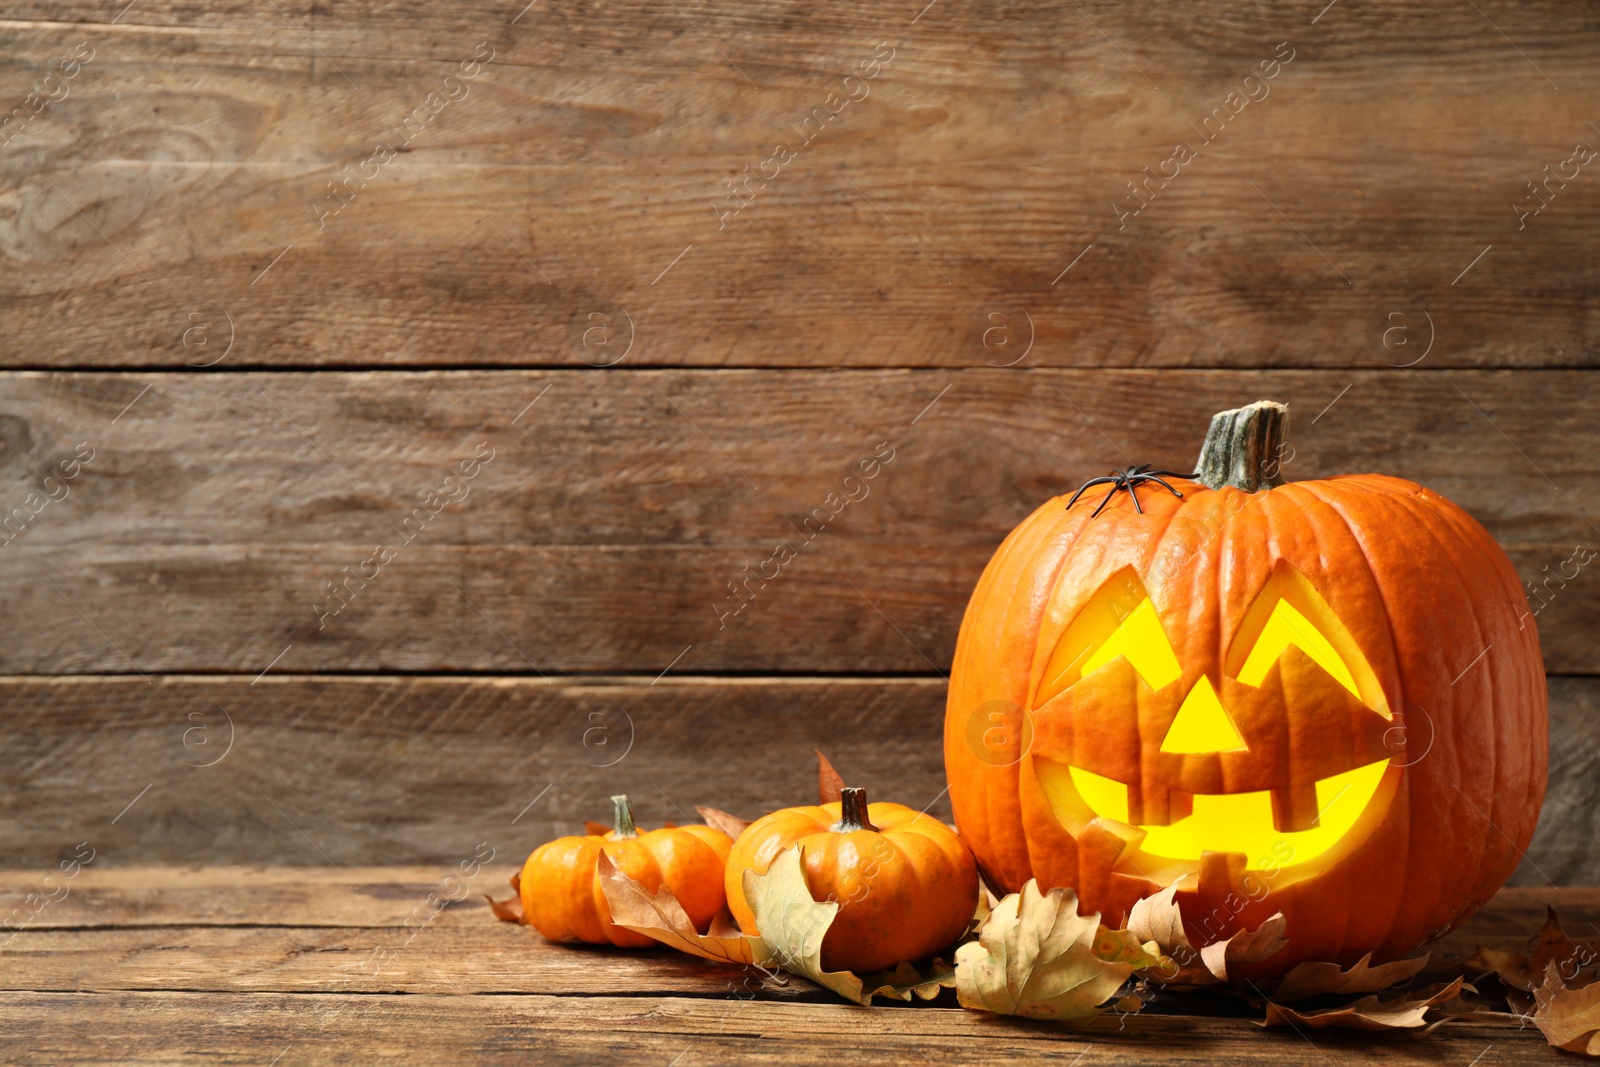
(1167, 807)
(1295, 808)
(1220, 873)
(1111, 839)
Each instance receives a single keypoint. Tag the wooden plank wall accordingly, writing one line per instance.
(659, 277)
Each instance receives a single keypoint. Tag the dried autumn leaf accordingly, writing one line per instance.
(1246, 946)
(905, 981)
(1157, 918)
(1552, 945)
(509, 911)
(828, 781)
(731, 825)
(1512, 969)
(792, 927)
(659, 915)
(1314, 979)
(1568, 1018)
(1369, 1013)
(1576, 960)
(1037, 957)
(595, 829)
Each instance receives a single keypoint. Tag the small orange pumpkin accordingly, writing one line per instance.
(905, 884)
(560, 887)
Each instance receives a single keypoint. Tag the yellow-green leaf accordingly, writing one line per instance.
(1037, 957)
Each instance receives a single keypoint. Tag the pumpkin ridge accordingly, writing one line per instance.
(1431, 515)
(1389, 493)
(1406, 507)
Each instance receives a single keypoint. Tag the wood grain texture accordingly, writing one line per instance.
(376, 900)
(67, 1028)
(354, 771)
(927, 224)
(393, 769)
(311, 961)
(604, 533)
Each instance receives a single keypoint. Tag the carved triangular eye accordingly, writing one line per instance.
(1119, 620)
(1290, 612)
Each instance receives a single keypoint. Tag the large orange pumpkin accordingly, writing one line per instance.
(1323, 698)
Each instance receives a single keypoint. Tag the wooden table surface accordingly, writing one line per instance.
(296, 965)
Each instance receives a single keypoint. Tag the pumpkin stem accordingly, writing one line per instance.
(1244, 447)
(852, 811)
(623, 827)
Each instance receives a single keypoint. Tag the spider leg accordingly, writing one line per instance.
(1163, 484)
(1119, 484)
(1133, 491)
(1085, 485)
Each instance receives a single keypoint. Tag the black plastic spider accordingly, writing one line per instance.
(1129, 480)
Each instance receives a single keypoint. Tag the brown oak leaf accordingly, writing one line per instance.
(1307, 980)
(1569, 1018)
(1407, 1012)
(731, 825)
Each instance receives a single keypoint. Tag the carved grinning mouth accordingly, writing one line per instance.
(1219, 822)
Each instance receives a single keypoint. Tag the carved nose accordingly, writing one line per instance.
(1203, 724)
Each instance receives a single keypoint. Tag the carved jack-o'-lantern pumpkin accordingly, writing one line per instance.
(1314, 698)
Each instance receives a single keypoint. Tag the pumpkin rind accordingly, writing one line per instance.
(906, 885)
(1421, 588)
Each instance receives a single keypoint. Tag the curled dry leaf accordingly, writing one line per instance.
(905, 981)
(731, 825)
(828, 781)
(509, 911)
(658, 915)
(792, 927)
(1569, 1018)
(1408, 1012)
(1157, 918)
(1510, 967)
(1307, 980)
(1037, 957)
(1577, 962)
(1246, 946)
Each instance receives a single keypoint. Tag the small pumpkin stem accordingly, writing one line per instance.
(623, 826)
(1244, 447)
(852, 811)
